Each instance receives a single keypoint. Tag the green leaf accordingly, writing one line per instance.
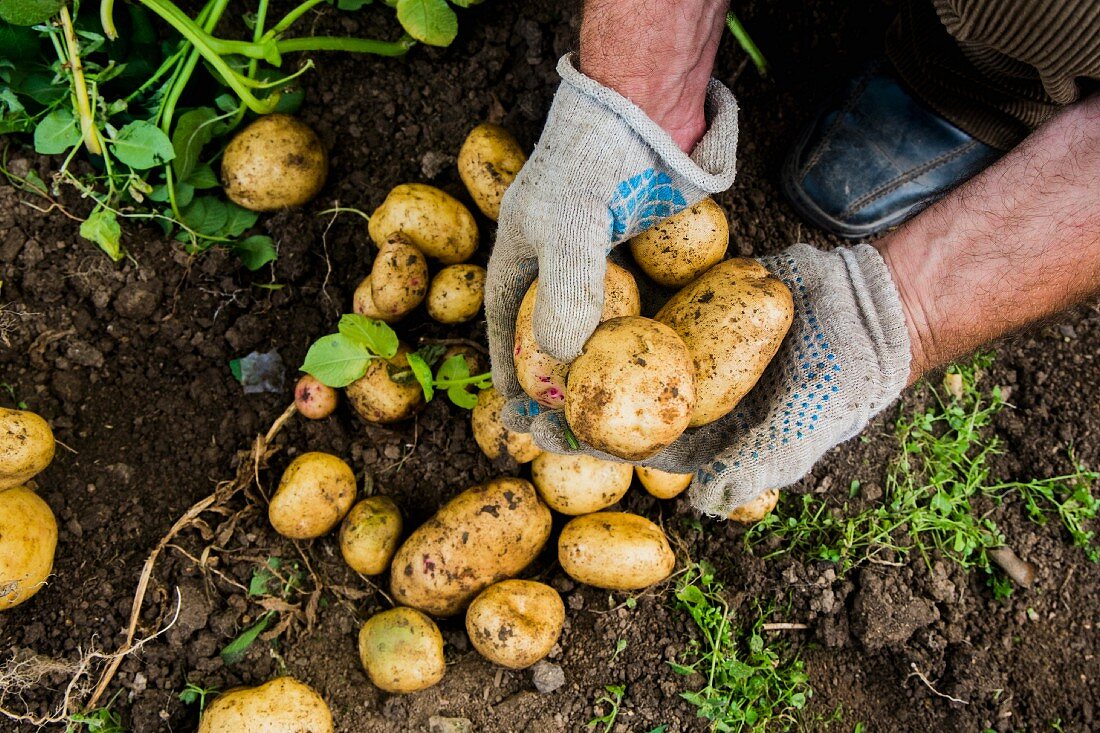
(352, 4)
(336, 360)
(376, 336)
(206, 215)
(57, 132)
(103, 229)
(194, 130)
(462, 397)
(423, 374)
(429, 21)
(454, 368)
(29, 12)
(141, 145)
(235, 650)
(203, 177)
(20, 44)
(255, 251)
(466, 3)
(237, 220)
(691, 595)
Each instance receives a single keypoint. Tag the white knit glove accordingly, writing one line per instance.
(602, 172)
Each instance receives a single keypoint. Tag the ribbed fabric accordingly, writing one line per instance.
(997, 68)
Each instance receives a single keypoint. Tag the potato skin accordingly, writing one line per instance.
(684, 246)
(398, 278)
(402, 650)
(362, 302)
(488, 161)
(485, 534)
(515, 623)
(26, 446)
(314, 494)
(732, 319)
(662, 484)
(757, 509)
(274, 163)
(28, 539)
(434, 221)
(313, 398)
(579, 484)
(377, 398)
(492, 436)
(369, 535)
(456, 293)
(631, 392)
(615, 551)
(283, 704)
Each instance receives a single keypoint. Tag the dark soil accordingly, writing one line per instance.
(130, 365)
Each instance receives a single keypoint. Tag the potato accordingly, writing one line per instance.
(398, 278)
(28, 538)
(662, 484)
(615, 550)
(456, 293)
(755, 510)
(402, 650)
(488, 162)
(515, 623)
(314, 494)
(491, 435)
(274, 163)
(434, 221)
(369, 535)
(313, 398)
(476, 361)
(732, 319)
(378, 398)
(362, 302)
(631, 392)
(485, 534)
(579, 484)
(542, 376)
(283, 705)
(684, 246)
(26, 446)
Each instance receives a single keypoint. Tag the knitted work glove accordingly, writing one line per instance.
(845, 359)
(601, 173)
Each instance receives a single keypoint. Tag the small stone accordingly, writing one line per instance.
(439, 724)
(84, 354)
(1068, 331)
(547, 676)
(433, 162)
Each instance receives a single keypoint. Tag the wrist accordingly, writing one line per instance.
(904, 263)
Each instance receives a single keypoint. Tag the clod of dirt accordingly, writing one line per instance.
(138, 300)
(886, 613)
(437, 724)
(547, 676)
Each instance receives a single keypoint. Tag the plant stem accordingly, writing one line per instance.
(353, 45)
(750, 47)
(80, 90)
(290, 18)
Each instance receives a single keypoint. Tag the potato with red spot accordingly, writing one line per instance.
(274, 163)
(398, 278)
(313, 398)
(283, 705)
(362, 303)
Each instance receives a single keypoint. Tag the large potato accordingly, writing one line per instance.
(402, 650)
(615, 550)
(362, 302)
(732, 319)
(492, 436)
(398, 278)
(434, 221)
(684, 246)
(275, 162)
(662, 484)
(755, 510)
(488, 162)
(369, 535)
(515, 623)
(314, 494)
(28, 538)
(283, 705)
(579, 484)
(631, 392)
(485, 534)
(456, 293)
(378, 398)
(26, 446)
(542, 376)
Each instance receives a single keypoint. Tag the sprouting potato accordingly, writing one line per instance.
(615, 551)
(684, 246)
(579, 484)
(274, 163)
(314, 494)
(434, 221)
(515, 623)
(398, 278)
(662, 484)
(456, 293)
(402, 650)
(492, 436)
(369, 535)
(376, 397)
(313, 398)
(755, 510)
(26, 446)
(28, 539)
(488, 162)
(283, 705)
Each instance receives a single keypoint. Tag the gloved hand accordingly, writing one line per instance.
(845, 358)
(601, 173)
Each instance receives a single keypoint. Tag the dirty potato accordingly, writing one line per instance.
(369, 535)
(313, 398)
(456, 293)
(662, 484)
(283, 705)
(755, 510)
(492, 436)
(488, 162)
(402, 650)
(684, 246)
(515, 623)
(434, 221)
(362, 303)
(26, 446)
(398, 278)
(28, 538)
(314, 494)
(274, 163)
(615, 550)
(579, 484)
(378, 398)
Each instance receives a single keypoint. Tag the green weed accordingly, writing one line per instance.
(613, 698)
(193, 693)
(100, 720)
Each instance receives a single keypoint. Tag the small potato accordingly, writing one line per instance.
(26, 446)
(378, 398)
(314, 494)
(402, 650)
(362, 302)
(283, 705)
(28, 538)
(313, 398)
(662, 484)
(398, 278)
(631, 392)
(542, 376)
(492, 437)
(456, 293)
(579, 484)
(434, 221)
(757, 509)
(488, 162)
(615, 550)
(515, 623)
(684, 246)
(274, 163)
(369, 535)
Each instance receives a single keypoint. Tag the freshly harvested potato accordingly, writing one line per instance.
(274, 163)
(491, 435)
(283, 705)
(488, 162)
(732, 319)
(434, 221)
(402, 650)
(369, 535)
(26, 446)
(398, 278)
(515, 623)
(485, 534)
(757, 509)
(542, 376)
(662, 484)
(684, 246)
(313, 398)
(456, 293)
(579, 484)
(314, 494)
(476, 362)
(631, 392)
(28, 538)
(378, 398)
(615, 550)
(362, 302)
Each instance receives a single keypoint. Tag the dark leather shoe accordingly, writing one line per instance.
(876, 157)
